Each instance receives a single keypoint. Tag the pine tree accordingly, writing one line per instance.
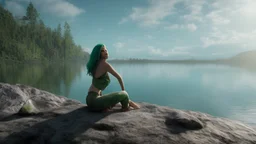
(67, 41)
(26, 39)
(32, 14)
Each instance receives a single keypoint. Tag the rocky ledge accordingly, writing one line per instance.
(29, 115)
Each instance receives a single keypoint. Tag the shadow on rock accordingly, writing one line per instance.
(52, 127)
(182, 122)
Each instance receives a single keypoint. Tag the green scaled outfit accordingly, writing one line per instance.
(95, 102)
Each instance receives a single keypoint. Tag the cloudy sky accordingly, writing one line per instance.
(156, 29)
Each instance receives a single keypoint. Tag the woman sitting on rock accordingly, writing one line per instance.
(98, 68)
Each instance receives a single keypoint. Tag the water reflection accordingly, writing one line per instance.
(236, 79)
(56, 78)
(219, 90)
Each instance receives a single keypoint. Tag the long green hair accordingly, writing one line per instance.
(94, 59)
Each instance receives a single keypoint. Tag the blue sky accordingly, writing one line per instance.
(154, 29)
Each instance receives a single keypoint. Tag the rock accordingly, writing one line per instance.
(12, 99)
(57, 119)
(184, 120)
(15, 98)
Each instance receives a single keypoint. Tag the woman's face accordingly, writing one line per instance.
(104, 53)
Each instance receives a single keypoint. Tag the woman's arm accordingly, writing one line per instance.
(111, 70)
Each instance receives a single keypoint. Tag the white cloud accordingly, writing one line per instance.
(89, 50)
(15, 8)
(156, 51)
(135, 50)
(149, 37)
(119, 45)
(158, 11)
(165, 53)
(62, 8)
(232, 23)
(224, 11)
(248, 9)
(123, 20)
(173, 27)
(208, 41)
(223, 37)
(217, 54)
(195, 8)
(217, 18)
(152, 15)
(191, 27)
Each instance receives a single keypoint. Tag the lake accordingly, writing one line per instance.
(219, 90)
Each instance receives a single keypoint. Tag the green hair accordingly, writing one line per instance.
(94, 59)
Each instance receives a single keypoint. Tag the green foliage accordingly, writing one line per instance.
(32, 14)
(28, 39)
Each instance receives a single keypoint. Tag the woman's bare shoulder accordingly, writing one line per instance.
(105, 64)
(101, 63)
(101, 69)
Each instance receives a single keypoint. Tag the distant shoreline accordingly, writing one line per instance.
(237, 61)
(246, 58)
(217, 61)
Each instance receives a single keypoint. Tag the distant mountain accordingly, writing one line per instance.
(244, 59)
(247, 58)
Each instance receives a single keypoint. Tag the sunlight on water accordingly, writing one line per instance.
(245, 114)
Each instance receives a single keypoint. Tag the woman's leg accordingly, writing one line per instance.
(108, 100)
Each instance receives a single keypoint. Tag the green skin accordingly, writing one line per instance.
(100, 103)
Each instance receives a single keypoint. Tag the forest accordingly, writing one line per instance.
(28, 39)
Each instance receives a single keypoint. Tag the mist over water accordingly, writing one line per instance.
(219, 90)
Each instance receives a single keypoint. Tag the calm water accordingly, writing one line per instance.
(218, 90)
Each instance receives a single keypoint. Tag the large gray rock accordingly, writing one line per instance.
(15, 98)
(56, 119)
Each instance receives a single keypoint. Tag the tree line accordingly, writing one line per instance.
(29, 39)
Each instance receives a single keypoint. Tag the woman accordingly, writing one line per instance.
(99, 68)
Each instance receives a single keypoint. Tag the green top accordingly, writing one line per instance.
(102, 82)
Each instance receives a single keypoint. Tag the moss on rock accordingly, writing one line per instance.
(28, 108)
